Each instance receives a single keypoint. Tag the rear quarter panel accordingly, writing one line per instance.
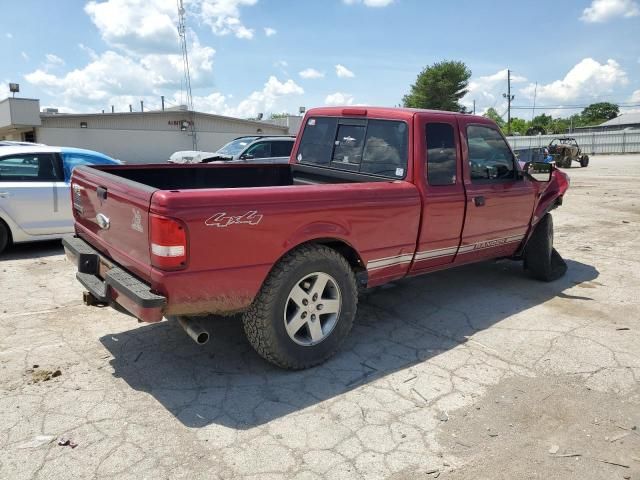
(237, 235)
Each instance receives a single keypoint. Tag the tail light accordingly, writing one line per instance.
(168, 243)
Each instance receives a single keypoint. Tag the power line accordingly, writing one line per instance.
(565, 107)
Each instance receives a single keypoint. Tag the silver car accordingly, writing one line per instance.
(35, 197)
(253, 149)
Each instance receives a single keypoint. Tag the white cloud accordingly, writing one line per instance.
(260, 101)
(370, 3)
(270, 32)
(586, 79)
(111, 76)
(223, 16)
(89, 51)
(487, 90)
(603, 10)
(635, 96)
(339, 98)
(9, 35)
(344, 72)
(310, 73)
(54, 60)
(143, 26)
(25, 56)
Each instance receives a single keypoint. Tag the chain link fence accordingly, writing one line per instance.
(619, 141)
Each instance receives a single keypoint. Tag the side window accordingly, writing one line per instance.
(37, 167)
(490, 158)
(281, 148)
(259, 150)
(441, 154)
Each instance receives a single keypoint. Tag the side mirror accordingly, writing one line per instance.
(539, 171)
(246, 156)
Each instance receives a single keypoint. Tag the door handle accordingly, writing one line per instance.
(4, 194)
(478, 201)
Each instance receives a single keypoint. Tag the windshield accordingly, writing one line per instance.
(236, 146)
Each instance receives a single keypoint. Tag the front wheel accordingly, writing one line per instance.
(584, 160)
(4, 236)
(304, 310)
(541, 260)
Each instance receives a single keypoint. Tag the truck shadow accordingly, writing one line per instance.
(397, 327)
(29, 250)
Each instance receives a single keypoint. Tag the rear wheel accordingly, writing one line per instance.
(4, 236)
(304, 310)
(541, 260)
(584, 160)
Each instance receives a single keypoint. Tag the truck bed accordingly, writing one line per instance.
(199, 176)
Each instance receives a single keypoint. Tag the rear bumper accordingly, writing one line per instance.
(109, 283)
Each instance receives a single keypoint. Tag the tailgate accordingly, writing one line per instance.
(112, 214)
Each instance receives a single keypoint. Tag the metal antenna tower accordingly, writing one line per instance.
(182, 31)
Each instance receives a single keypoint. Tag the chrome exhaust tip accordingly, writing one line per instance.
(194, 329)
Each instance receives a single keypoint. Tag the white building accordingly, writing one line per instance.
(134, 137)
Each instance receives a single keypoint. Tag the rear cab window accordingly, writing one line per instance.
(369, 146)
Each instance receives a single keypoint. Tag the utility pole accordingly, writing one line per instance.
(474, 107)
(162, 100)
(142, 105)
(509, 97)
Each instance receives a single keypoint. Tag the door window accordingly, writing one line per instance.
(38, 167)
(441, 154)
(259, 150)
(490, 158)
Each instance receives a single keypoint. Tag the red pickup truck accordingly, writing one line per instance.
(371, 195)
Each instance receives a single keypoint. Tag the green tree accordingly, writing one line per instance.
(599, 112)
(518, 125)
(493, 115)
(440, 87)
(542, 120)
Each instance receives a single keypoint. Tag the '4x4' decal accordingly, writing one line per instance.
(224, 220)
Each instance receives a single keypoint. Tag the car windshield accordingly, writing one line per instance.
(236, 146)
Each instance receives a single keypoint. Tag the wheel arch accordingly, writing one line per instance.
(340, 245)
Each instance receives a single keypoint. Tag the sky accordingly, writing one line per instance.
(272, 56)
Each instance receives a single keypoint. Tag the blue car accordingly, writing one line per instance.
(35, 197)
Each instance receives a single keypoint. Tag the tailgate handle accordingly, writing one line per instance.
(478, 201)
(102, 193)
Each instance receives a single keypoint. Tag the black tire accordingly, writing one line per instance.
(541, 260)
(264, 321)
(5, 236)
(566, 162)
(584, 160)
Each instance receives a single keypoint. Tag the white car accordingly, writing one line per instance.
(35, 198)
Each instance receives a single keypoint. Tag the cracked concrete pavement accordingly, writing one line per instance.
(477, 372)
